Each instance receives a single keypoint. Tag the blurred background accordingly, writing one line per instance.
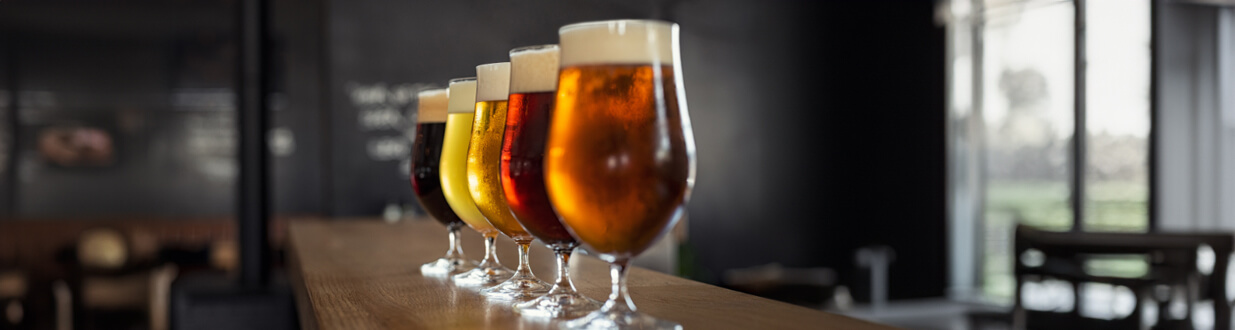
(873, 158)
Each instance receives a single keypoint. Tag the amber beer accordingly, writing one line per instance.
(426, 152)
(620, 162)
(533, 84)
(485, 151)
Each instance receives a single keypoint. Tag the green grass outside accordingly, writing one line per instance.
(1110, 206)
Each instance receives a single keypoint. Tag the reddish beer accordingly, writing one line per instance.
(533, 80)
(523, 176)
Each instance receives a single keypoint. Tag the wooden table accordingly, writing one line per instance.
(364, 274)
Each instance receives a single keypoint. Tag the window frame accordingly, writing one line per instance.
(967, 178)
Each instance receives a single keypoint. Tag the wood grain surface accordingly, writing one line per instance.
(364, 274)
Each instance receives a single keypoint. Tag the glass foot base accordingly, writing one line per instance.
(562, 305)
(519, 288)
(620, 319)
(447, 266)
(482, 277)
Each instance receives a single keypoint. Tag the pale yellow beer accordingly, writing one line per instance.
(454, 155)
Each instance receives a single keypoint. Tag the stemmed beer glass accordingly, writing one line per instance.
(461, 109)
(533, 86)
(427, 183)
(484, 178)
(620, 159)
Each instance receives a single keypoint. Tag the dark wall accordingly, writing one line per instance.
(819, 126)
(154, 79)
(158, 80)
(820, 130)
(883, 69)
(393, 48)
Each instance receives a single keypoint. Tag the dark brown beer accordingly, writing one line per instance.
(523, 178)
(618, 165)
(426, 151)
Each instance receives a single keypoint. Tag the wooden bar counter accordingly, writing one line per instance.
(365, 274)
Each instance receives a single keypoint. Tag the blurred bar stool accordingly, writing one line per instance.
(13, 289)
(1183, 273)
(116, 279)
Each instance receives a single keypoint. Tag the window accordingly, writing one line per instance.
(1117, 106)
(1019, 108)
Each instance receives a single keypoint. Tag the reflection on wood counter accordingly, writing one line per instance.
(364, 274)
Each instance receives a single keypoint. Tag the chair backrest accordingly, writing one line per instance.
(1172, 276)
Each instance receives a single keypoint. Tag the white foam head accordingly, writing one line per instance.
(462, 95)
(432, 106)
(534, 69)
(493, 82)
(619, 42)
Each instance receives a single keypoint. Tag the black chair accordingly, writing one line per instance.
(1172, 269)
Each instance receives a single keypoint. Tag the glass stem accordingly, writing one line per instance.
(563, 284)
(456, 249)
(490, 260)
(619, 300)
(523, 270)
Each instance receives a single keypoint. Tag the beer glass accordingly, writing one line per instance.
(484, 178)
(533, 86)
(620, 160)
(460, 110)
(427, 184)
